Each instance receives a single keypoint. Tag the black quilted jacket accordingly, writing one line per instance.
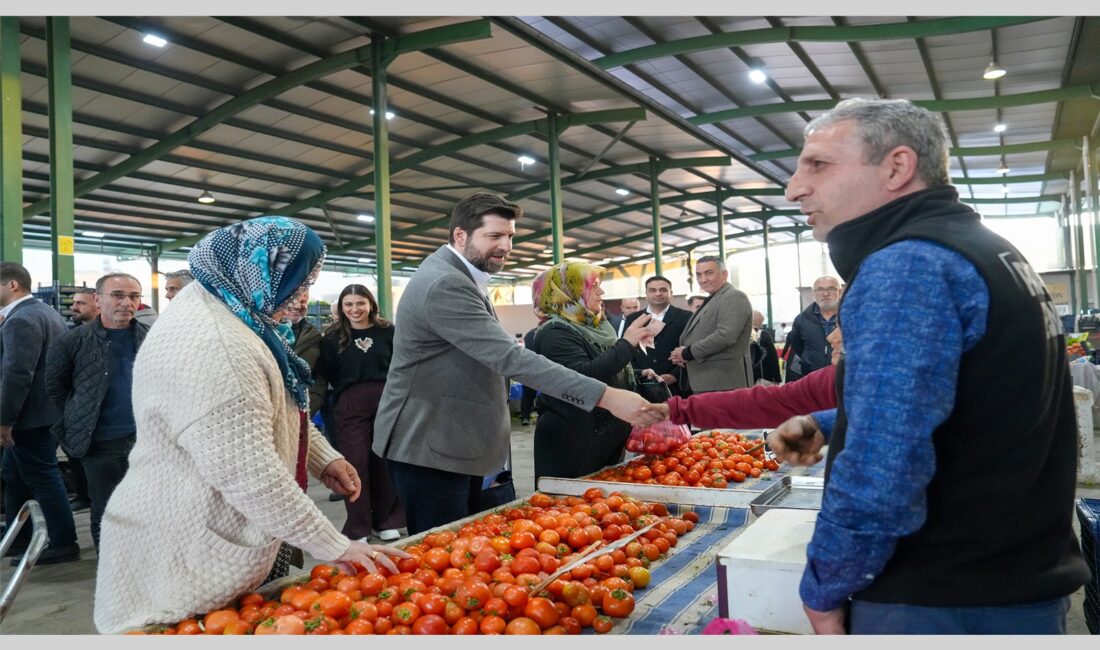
(76, 378)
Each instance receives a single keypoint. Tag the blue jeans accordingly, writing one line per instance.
(30, 471)
(1047, 617)
(105, 464)
(433, 497)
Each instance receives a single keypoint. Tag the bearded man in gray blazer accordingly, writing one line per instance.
(714, 348)
(443, 422)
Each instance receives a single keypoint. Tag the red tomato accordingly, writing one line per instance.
(465, 625)
(492, 625)
(523, 625)
(542, 611)
(430, 624)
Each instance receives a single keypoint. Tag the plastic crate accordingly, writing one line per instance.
(1092, 616)
(1088, 513)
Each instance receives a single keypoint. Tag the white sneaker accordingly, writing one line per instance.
(389, 535)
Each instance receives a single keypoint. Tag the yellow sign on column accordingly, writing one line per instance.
(64, 245)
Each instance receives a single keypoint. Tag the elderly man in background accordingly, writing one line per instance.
(714, 347)
(807, 338)
(175, 281)
(90, 377)
(950, 476)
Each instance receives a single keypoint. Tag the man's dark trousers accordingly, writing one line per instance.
(30, 471)
(433, 497)
(105, 464)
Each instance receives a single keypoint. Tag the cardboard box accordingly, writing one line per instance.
(760, 570)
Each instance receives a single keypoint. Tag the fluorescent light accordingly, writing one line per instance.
(94, 233)
(389, 114)
(206, 197)
(622, 191)
(365, 260)
(758, 76)
(1001, 127)
(526, 160)
(993, 71)
(1003, 169)
(154, 40)
(369, 218)
(1004, 188)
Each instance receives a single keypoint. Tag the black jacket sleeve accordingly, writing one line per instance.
(568, 348)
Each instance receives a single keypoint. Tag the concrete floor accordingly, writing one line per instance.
(58, 599)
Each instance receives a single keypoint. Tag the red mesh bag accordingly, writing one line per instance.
(657, 439)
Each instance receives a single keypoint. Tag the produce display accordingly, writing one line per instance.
(495, 575)
(710, 459)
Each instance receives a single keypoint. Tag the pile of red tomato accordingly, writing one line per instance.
(709, 459)
(480, 579)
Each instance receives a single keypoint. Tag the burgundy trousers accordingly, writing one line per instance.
(378, 507)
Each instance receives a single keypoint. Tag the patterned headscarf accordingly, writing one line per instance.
(564, 289)
(256, 267)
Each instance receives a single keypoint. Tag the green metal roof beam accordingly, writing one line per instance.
(267, 90)
(996, 150)
(1009, 180)
(620, 170)
(1083, 91)
(876, 32)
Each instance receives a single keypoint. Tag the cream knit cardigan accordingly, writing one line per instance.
(210, 490)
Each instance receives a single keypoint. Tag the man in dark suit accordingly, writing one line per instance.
(658, 296)
(29, 464)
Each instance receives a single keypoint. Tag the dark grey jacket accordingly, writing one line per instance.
(77, 380)
(25, 337)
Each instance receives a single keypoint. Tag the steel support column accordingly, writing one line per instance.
(11, 142)
(720, 223)
(1079, 231)
(655, 207)
(1088, 174)
(154, 280)
(553, 156)
(61, 148)
(767, 270)
(382, 224)
(798, 257)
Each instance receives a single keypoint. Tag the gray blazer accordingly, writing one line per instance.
(719, 334)
(25, 338)
(445, 402)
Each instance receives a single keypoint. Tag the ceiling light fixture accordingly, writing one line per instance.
(1004, 188)
(622, 191)
(365, 260)
(94, 233)
(1003, 169)
(1001, 127)
(368, 218)
(758, 76)
(525, 160)
(993, 71)
(154, 40)
(389, 114)
(206, 197)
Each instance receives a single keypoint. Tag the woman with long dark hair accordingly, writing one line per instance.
(355, 357)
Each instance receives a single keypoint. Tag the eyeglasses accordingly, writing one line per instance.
(120, 296)
(827, 290)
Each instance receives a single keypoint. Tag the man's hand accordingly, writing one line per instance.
(340, 477)
(6, 439)
(797, 441)
(830, 622)
(650, 373)
(677, 356)
(669, 379)
(629, 406)
(368, 554)
(661, 410)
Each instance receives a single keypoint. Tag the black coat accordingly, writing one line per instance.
(76, 380)
(765, 360)
(569, 441)
(807, 340)
(25, 337)
(675, 320)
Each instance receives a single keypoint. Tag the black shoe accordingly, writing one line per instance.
(525, 422)
(80, 504)
(70, 553)
(15, 551)
(332, 496)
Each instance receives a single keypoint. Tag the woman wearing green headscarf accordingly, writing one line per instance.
(570, 442)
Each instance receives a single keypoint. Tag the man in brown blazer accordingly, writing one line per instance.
(714, 348)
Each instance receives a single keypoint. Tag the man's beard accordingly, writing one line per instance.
(482, 262)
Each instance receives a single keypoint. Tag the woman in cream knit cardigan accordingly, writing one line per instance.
(217, 476)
